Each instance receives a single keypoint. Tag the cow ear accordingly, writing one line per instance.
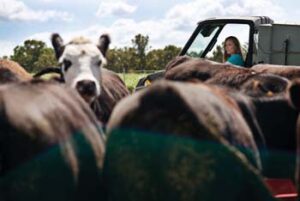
(58, 44)
(294, 92)
(104, 42)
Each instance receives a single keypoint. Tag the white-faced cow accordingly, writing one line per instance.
(82, 65)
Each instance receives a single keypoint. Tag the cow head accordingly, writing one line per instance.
(81, 63)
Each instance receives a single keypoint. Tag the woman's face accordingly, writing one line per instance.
(230, 47)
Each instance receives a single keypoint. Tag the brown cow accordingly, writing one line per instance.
(194, 110)
(17, 72)
(289, 72)
(51, 147)
(273, 118)
(7, 76)
(265, 84)
(184, 68)
(82, 65)
(164, 111)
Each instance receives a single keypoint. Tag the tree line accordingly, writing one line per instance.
(34, 55)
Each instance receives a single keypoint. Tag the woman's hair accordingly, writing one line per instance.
(236, 44)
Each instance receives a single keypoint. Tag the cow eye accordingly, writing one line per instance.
(67, 64)
(99, 63)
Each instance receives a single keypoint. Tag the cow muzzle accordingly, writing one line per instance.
(87, 89)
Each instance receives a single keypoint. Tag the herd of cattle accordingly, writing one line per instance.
(79, 138)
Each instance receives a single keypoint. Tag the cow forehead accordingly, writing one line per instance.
(77, 50)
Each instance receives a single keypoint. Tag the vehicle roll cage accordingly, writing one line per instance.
(252, 22)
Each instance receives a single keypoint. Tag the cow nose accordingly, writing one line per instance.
(86, 87)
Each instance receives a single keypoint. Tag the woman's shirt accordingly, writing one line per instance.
(236, 59)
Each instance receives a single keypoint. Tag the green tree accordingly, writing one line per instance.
(129, 59)
(170, 52)
(120, 59)
(154, 59)
(113, 59)
(34, 55)
(194, 54)
(140, 43)
(46, 59)
(157, 59)
(217, 54)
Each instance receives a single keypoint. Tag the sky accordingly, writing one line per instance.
(164, 21)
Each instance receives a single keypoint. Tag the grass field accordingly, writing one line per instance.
(131, 79)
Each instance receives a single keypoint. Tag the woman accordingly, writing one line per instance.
(233, 53)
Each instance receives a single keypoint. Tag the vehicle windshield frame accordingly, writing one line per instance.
(222, 23)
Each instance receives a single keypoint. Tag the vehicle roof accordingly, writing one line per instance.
(257, 20)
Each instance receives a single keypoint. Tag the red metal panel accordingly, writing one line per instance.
(283, 189)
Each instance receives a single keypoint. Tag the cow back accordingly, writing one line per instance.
(49, 142)
(189, 110)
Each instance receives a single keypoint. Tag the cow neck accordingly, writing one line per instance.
(277, 119)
